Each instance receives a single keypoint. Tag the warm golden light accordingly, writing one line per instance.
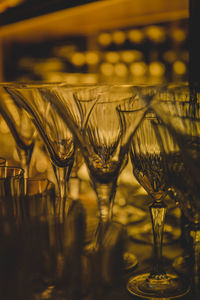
(104, 39)
(121, 69)
(136, 36)
(78, 59)
(112, 57)
(156, 68)
(107, 69)
(91, 57)
(138, 68)
(179, 67)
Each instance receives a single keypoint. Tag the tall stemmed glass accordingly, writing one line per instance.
(57, 137)
(149, 169)
(54, 132)
(103, 143)
(181, 121)
(70, 96)
(20, 127)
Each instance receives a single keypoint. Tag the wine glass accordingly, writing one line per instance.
(142, 233)
(20, 127)
(149, 169)
(181, 121)
(103, 143)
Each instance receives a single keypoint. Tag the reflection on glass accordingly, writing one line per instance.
(103, 142)
(34, 98)
(148, 161)
(20, 127)
(180, 120)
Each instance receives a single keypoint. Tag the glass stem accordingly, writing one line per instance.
(105, 195)
(62, 176)
(25, 157)
(74, 187)
(157, 212)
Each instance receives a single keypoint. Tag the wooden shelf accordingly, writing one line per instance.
(88, 19)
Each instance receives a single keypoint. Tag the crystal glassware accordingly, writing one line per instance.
(148, 161)
(19, 125)
(58, 139)
(103, 143)
(100, 140)
(53, 243)
(37, 237)
(67, 95)
(74, 184)
(11, 191)
(180, 119)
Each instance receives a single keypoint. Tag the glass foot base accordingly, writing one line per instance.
(130, 261)
(172, 287)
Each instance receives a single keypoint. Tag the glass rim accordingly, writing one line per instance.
(124, 110)
(2, 160)
(27, 83)
(32, 84)
(18, 175)
(64, 84)
(49, 187)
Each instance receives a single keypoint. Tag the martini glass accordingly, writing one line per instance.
(103, 143)
(79, 101)
(54, 132)
(20, 127)
(70, 97)
(58, 139)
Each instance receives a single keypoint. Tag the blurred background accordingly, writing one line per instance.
(95, 41)
(121, 41)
